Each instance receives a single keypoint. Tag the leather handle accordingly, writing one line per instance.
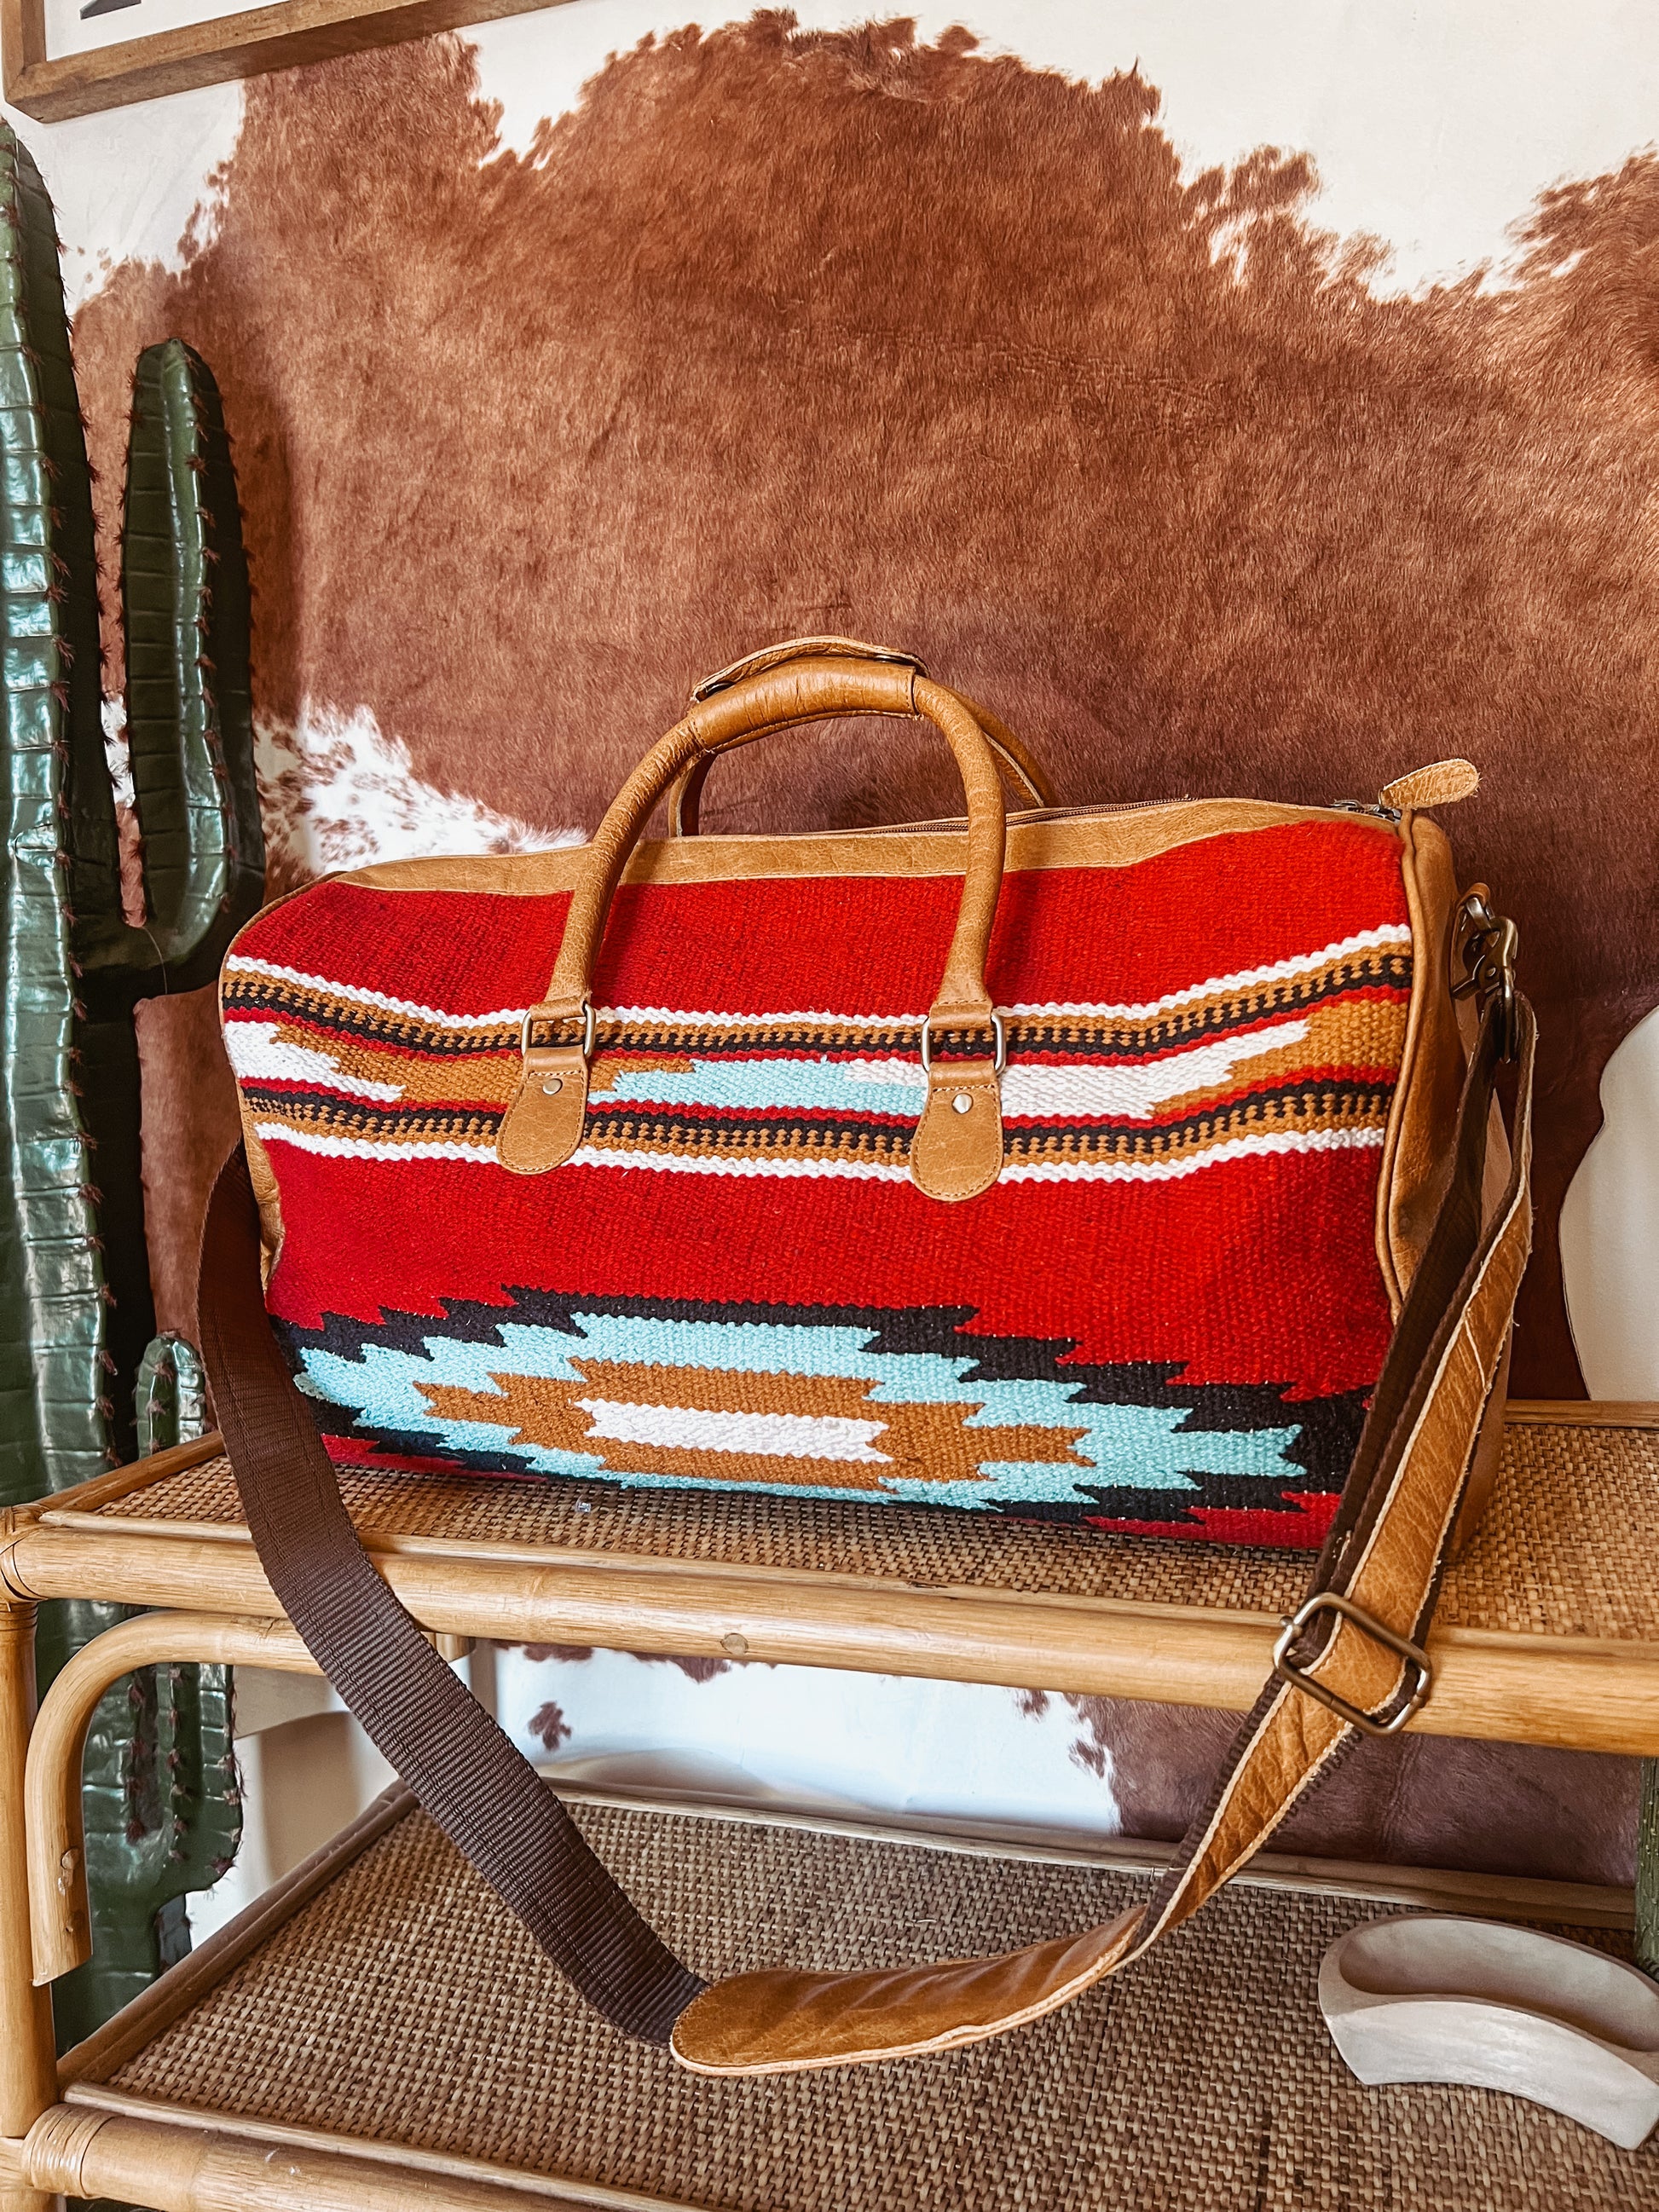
(1022, 772)
(957, 1151)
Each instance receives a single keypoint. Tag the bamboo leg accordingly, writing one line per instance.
(1647, 1870)
(56, 1854)
(28, 2064)
(194, 2170)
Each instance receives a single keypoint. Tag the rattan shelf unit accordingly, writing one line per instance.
(1548, 1633)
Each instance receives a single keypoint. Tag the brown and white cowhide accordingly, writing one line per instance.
(777, 330)
(780, 331)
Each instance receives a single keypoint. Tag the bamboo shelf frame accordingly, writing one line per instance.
(1596, 1693)
(1571, 1691)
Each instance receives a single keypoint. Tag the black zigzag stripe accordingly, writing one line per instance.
(1326, 1429)
(806, 1129)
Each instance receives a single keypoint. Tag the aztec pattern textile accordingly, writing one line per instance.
(1164, 1317)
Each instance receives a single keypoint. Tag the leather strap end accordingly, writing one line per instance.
(957, 1149)
(781, 2020)
(544, 1125)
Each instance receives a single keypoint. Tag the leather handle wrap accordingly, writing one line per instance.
(956, 1153)
(768, 657)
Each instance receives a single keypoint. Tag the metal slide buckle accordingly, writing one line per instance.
(587, 1031)
(1488, 946)
(996, 1031)
(1412, 1654)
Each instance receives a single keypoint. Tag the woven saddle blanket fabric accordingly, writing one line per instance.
(1164, 1318)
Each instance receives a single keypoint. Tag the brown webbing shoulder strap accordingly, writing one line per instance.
(484, 1796)
(1350, 1658)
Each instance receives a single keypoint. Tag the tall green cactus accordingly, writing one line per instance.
(75, 1304)
(75, 1308)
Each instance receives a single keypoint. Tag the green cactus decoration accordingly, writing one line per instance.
(172, 1399)
(163, 1817)
(75, 1308)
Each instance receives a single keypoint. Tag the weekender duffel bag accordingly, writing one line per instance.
(1134, 1167)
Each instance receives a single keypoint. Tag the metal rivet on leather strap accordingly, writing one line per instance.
(553, 1082)
(962, 1102)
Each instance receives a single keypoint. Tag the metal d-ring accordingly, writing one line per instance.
(1488, 951)
(588, 1027)
(998, 1030)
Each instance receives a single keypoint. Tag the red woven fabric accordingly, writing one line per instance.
(1165, 1316)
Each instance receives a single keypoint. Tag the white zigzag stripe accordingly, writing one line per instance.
(239, 965)
(360, 1148)
(1365, 940)
(257, 1054)
(770, 1436)
(589, 1156)
(1246, 979)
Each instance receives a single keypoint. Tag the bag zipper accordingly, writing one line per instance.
(1017, 816)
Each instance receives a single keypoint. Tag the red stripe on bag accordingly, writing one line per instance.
(865, 944)
(1260, 1271)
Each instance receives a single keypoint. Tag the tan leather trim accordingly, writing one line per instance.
(1487, 1453)
(544, 1125)
(1415, 1158)
(1106, 840)
(1397, 1567)
(958, 1151)
(267, 1195)
(1294, 1735)
(784, 2021)
(266, 1191)
(1441, 783)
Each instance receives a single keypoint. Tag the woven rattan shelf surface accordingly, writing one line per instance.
(405, 2006)
(1566, 1547)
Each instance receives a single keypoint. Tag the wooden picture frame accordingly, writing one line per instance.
(285, 35)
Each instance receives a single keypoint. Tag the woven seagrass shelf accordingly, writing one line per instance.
(384, 2022)
(378, 2032)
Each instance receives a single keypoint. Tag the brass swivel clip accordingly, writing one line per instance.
(1488, 942)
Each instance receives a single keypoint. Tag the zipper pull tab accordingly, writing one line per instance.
(1443, 783)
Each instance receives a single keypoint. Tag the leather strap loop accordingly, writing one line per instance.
(543, 1127)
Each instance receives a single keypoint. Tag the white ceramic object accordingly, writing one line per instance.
(1427, 1998)
(1610, 1228)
